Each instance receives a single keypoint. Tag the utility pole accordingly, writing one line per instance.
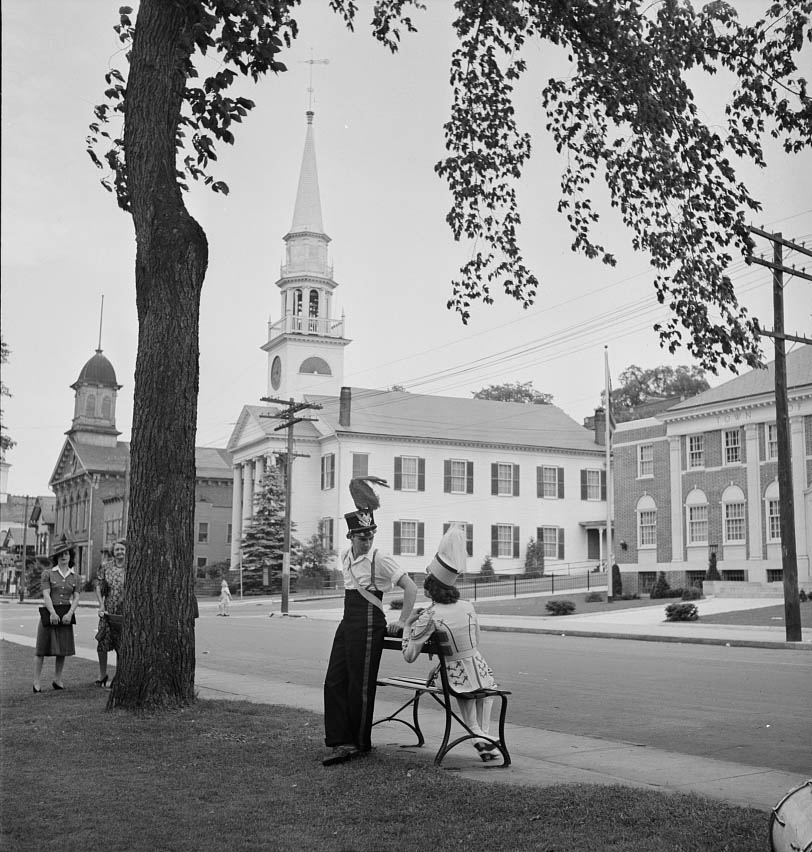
(789, 557)
(289, 418)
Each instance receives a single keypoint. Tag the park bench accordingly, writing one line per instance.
(443, 695)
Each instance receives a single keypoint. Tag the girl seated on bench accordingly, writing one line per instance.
(467, 669)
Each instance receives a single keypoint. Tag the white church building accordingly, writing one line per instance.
(509, 472)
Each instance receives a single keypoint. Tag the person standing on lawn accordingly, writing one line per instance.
(110, 595)
(467, 669)
(61, 587)
(352, 671)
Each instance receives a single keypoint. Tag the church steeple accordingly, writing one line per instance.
(307, 212)
(305, 347)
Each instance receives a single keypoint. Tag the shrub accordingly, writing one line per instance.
(560, 607)
(594, 597)
(694, 593)
(486, 571)
(661, 587)
(802, 596)
(617, 583)
(534, 559)
(681, 612)
(632, 597)
(713, 573)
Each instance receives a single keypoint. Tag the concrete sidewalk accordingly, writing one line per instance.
(540, 757)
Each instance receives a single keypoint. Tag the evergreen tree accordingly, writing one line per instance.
(314, 572)
(661, 587)
(713, 571)
(486, 572)
(534, 559)
(264, 536)
(617, 583)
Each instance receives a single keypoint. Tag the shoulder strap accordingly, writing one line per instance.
(367, 595)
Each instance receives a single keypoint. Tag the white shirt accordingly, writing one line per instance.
(387, 571)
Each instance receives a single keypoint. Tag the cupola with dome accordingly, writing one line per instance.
(94, 412)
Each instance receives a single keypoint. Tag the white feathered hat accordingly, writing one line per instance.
(449, 562)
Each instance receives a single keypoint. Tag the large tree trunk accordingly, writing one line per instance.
(156, 665)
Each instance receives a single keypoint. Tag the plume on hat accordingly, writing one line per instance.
(362, 493)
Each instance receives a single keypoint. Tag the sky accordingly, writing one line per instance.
(378, 133)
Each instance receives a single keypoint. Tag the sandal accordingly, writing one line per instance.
(487, 751)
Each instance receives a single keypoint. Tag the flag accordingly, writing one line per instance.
(610, 417)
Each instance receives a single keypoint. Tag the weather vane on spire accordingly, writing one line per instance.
(311, 62)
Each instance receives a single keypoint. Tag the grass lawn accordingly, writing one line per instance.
(536, 605)
(763, 616)
(246, 777)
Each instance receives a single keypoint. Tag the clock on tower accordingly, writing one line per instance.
(276, 373)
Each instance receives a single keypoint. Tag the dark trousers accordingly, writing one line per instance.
(349, 685)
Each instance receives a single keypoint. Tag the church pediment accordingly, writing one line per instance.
(251, 427)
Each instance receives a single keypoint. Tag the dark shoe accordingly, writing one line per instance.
(340, 754)
(487, 751)
(36, 691)
(102, 681)
(55, 685)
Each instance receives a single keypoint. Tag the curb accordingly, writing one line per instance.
(649, 637)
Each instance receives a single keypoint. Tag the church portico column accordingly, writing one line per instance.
(236, 517)
(247, 491)
(259, 472)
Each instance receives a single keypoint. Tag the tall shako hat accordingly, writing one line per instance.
(366, 501)
(450, 560)
(62, 545)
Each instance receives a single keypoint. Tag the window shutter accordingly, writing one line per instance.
(396, 539)
(539, 482)
(603, 485)
(516, 542)
(583, 485)
(421, 474)
(515, 480)
(540, 536)
(494, 479)
(469, 477)
(447, 476)
(560, 543)
(561, 483)
(494, 541)
(421, 536)
(324, 459)
(469, 539)
(398, 473)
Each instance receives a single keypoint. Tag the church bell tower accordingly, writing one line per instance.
(306, 346)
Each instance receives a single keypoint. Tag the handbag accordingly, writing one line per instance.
(60, 610)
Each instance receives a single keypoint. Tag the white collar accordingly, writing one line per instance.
(56, 568)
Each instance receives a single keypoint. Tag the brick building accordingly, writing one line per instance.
(703, 476)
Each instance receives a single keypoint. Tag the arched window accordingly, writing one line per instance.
(107, 406)
(90, 405)
(313, 308)
(314, 364)
(735, 531)
(696, 510)
(772, 507)
(297, 303)
(646, 522)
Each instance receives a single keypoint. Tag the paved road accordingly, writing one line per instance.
(748, 705)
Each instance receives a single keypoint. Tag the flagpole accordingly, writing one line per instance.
(608, 447)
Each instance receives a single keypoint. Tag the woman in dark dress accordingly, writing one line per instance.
(61, 587)
(110, 595)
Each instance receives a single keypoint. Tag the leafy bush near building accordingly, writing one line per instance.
(534, 559)
(617, 583)
(486, 571)
(594, 597)
(681, 612)
(560, 607)
(713, 572)
(694, 593)
(663, 590)
(802, 596)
